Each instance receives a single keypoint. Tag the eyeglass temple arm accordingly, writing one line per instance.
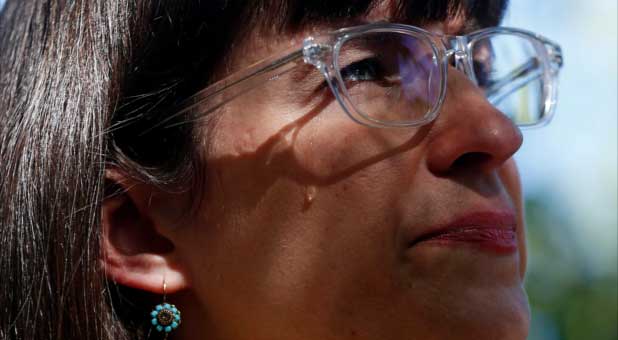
(512, 82)
(227, 89)
(517, 79)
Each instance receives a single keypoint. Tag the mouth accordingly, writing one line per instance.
(493, 232)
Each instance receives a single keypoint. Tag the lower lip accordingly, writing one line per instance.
(494, 240)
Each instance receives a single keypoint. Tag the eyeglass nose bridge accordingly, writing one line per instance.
(459, 56)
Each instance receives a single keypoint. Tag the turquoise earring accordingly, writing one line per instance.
(165, 317)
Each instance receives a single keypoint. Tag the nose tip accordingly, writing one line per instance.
(498, 140)
(471, 134)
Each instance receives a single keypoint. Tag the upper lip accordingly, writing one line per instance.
(478, 219)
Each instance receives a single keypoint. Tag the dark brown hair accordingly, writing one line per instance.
(81, 84)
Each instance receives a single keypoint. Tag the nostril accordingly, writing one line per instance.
(471, 160)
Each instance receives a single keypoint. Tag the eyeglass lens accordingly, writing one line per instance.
(507, 67)
(390, 77)
(396, 77)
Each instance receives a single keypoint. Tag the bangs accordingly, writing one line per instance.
(295, 14)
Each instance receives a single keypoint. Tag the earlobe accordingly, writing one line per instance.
(135, 253)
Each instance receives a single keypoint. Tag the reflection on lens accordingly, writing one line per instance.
(390, 77)
(507, 67)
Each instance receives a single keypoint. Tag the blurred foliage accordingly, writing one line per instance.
(571, 298)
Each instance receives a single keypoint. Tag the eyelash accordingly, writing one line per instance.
(362, 70)
(368, 69)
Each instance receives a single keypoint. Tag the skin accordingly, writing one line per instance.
(304, 229)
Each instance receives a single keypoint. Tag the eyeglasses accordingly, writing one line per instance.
(395, 75)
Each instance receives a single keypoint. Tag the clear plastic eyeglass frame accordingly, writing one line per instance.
(322, 51)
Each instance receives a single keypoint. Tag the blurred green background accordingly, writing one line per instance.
(569, 173)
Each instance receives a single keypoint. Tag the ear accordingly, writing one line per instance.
(135, 251)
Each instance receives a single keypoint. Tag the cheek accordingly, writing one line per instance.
(317, 144)
(333, 147)
(264, 164)
(265, 242)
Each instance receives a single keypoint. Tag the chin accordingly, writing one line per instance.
(501, 314)
(518, 326)
(507, 320)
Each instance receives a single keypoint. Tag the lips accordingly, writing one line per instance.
(494, 232)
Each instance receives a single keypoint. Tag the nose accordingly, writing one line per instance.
(470, 133)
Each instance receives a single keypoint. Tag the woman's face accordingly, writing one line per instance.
(315, 227)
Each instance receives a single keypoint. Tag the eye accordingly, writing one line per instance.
(369, 70)
(483, 64)
(484, 71)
